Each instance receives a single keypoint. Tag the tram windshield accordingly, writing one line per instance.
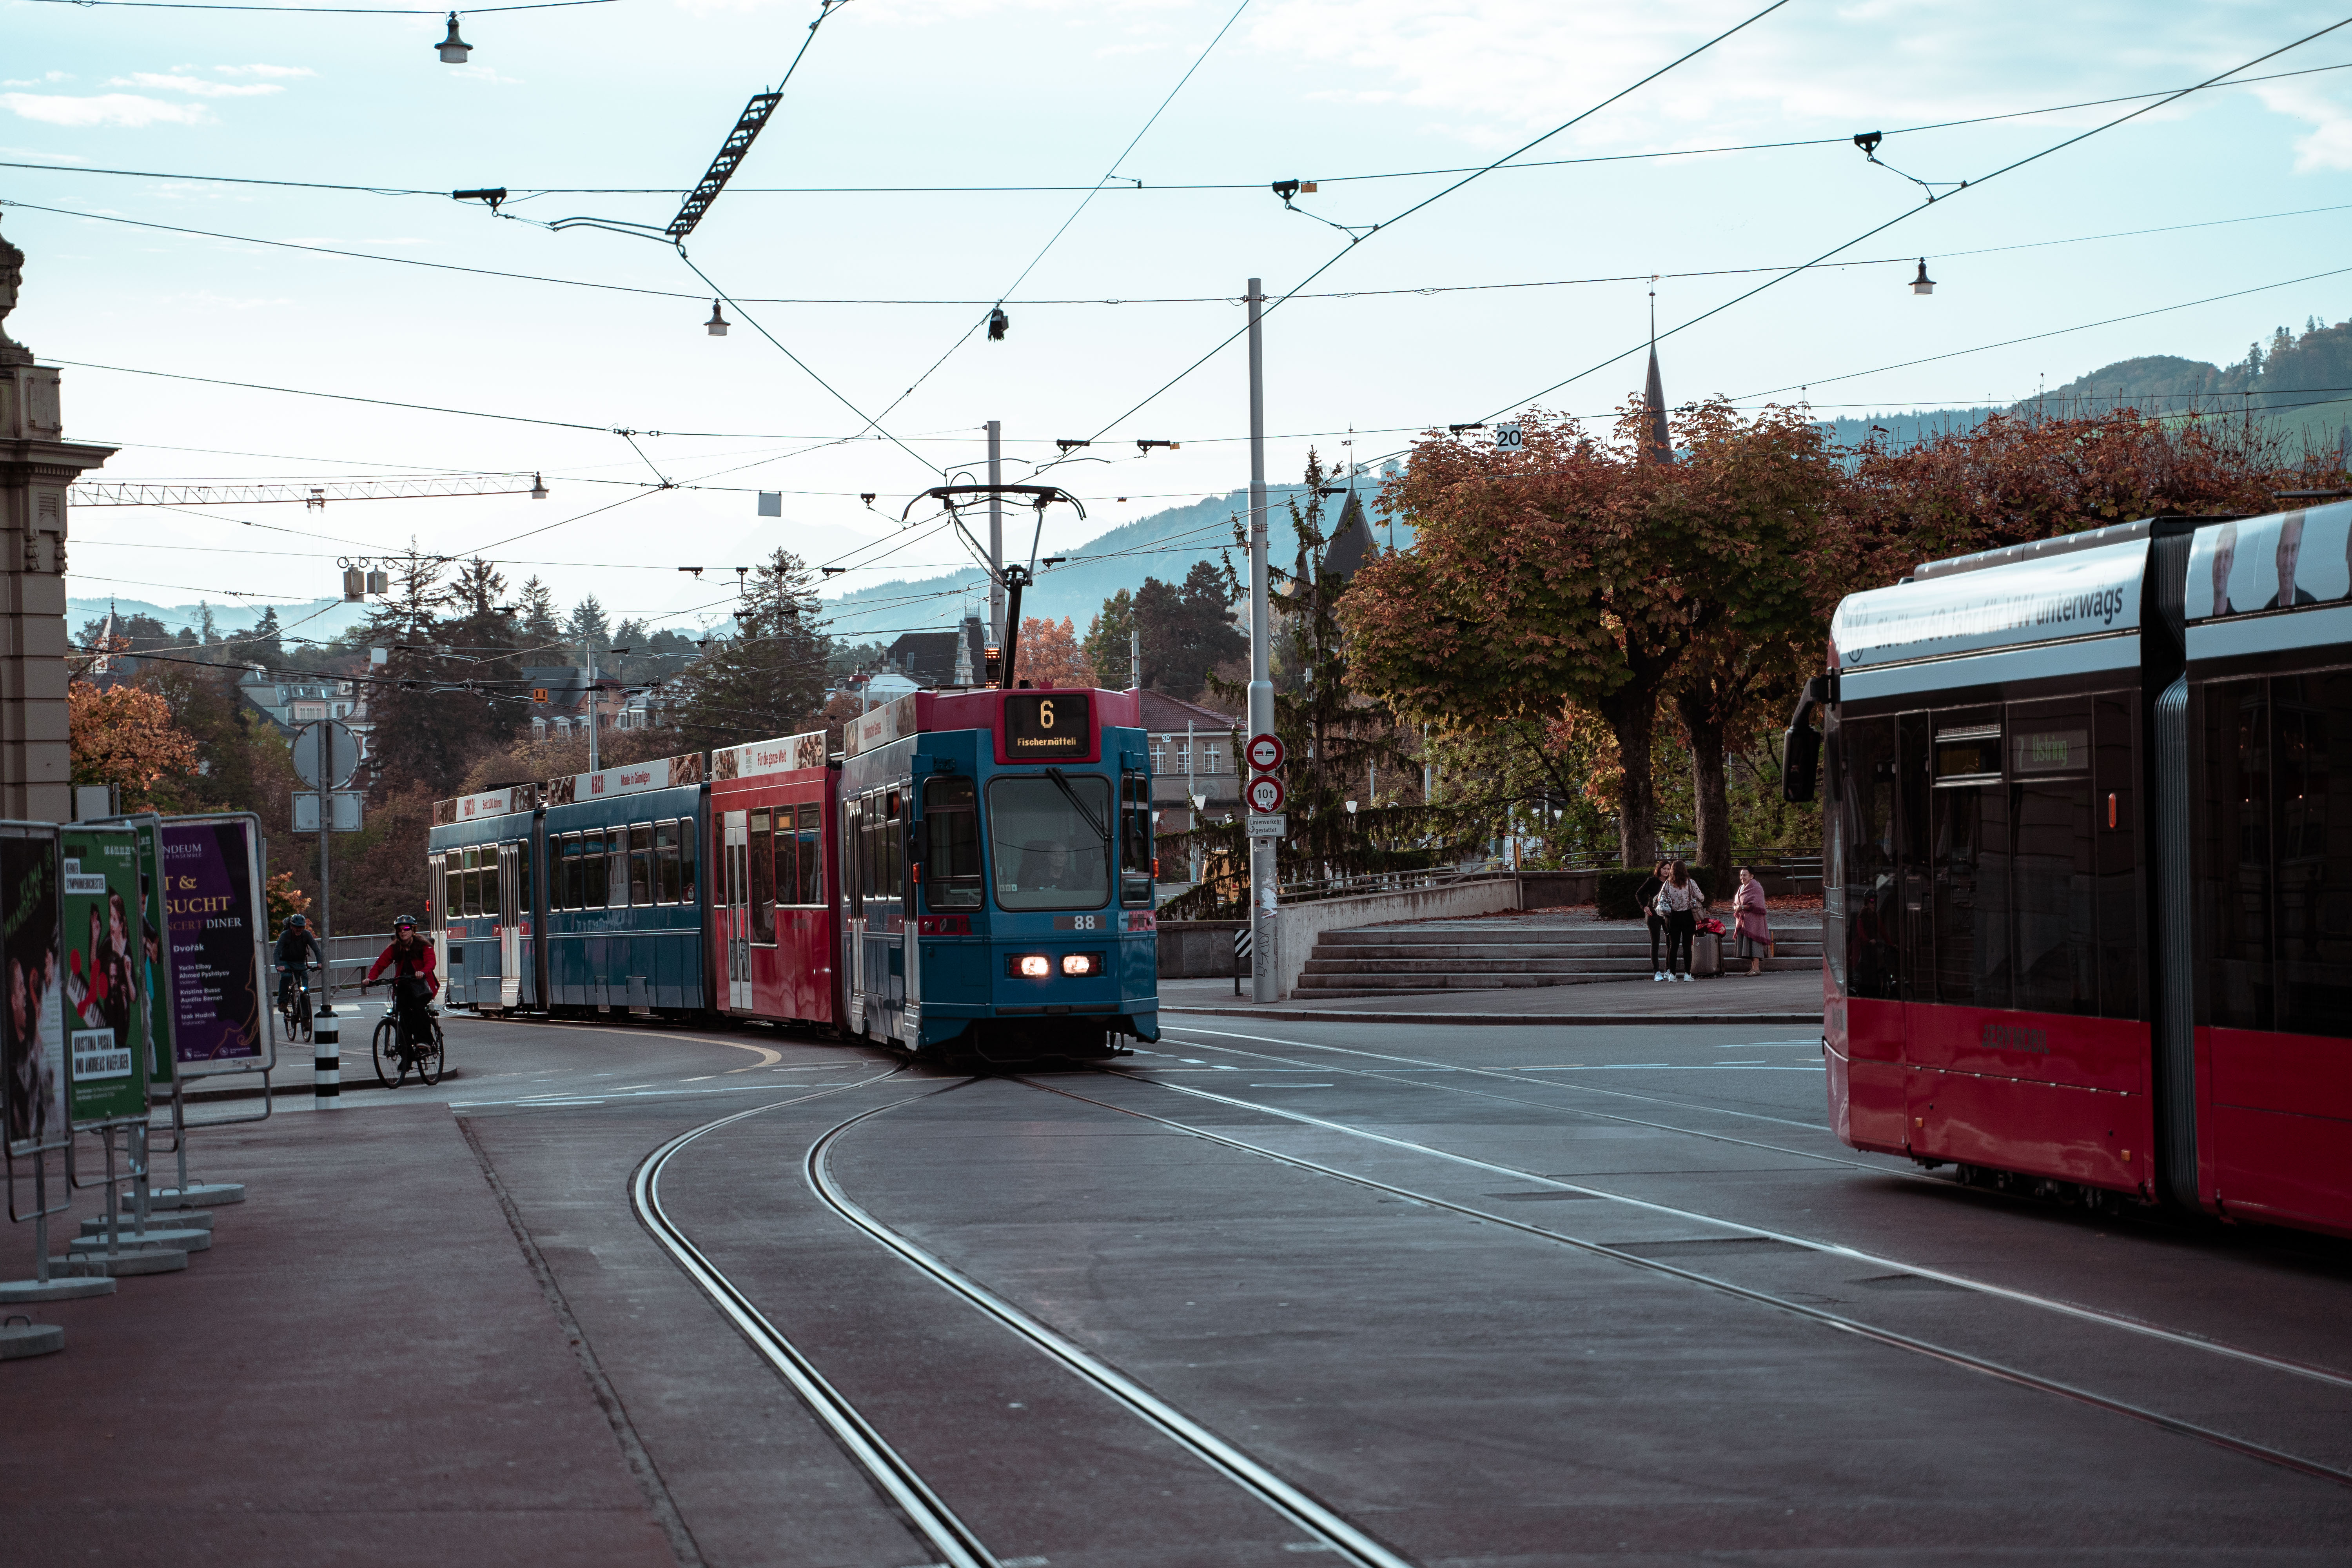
(1049, 840)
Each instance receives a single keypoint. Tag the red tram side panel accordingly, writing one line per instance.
(775, 887)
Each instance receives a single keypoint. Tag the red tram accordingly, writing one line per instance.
(2088, 865)
(774, 808)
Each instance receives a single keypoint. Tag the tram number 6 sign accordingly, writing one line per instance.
(1265, 752)
(1264, 793)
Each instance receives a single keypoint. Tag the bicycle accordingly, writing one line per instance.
(296, 1008)
(395, 1053)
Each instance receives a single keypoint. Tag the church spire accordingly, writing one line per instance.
(1658, 443)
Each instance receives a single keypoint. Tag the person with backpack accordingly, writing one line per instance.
(297, 945)
(414, 982)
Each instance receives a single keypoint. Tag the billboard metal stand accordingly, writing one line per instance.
(41, 1287)
(158, 1252)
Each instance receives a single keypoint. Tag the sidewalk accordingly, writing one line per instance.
(363, 1369)
(1787, 998)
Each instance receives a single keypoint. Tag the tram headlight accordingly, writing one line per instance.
(1029, 966)
(1082, 963)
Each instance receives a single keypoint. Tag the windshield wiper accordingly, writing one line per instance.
(1062, 783)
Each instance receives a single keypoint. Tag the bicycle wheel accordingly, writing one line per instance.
(302, 1016)
(389, 1069)
(429, 1055)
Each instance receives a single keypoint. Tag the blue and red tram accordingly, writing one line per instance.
(973, 872)
(2087, 833)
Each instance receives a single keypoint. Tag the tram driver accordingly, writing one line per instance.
(1046, 867)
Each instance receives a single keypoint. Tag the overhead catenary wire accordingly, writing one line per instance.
(442, 193)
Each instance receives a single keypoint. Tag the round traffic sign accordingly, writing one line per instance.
(1265, 752)
(1264, 793)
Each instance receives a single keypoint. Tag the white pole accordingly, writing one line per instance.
(590, 645)
(996, 534)
(1265, 973)
(1134, 659)
(1191, 809)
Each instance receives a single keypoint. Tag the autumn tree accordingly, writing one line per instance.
(1049, 654)
(124, 735)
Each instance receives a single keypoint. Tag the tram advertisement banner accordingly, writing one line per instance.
(154, 974)
(32, 1085)
(211, 903)
(106, 1047)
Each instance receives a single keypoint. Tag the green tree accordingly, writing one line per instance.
(265, 645)
(769, 677)
(1106, 649)
(542, 633)
(586, 628)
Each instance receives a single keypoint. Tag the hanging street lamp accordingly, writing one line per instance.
(1923, 284)
(454, 48)
(716, 325)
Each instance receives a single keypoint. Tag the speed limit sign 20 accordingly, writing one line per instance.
(1509, 437)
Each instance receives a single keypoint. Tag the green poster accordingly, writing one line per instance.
(148, 957)
(107, 1049)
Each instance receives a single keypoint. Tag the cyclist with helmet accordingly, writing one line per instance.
(410, 958)
(297, 945)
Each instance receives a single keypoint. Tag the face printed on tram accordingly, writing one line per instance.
(2225, 556)
(2290, 545)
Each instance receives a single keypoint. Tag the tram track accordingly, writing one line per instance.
(1893, 1338)
(956, 1544)
(2076, 1311)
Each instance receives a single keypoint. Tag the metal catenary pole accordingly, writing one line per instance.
(995, 534)
(589, 645)
(1264, 975)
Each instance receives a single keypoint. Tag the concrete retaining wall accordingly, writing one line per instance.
(1301, 924)
(1197, 950)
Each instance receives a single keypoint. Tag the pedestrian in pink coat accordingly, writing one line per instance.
(1755, 930)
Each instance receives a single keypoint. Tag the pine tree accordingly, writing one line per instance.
(769, 677)
(542, 633)
(587, 629)
(263, 647)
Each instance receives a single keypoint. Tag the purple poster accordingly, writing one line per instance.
(210, 879)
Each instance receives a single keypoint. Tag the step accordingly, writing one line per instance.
(1471, 957)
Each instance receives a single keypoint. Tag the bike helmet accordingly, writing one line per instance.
(296, 922)
(405, 923)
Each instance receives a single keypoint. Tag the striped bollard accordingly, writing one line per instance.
(325, 1061)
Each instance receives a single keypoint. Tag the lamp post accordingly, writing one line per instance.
(1265, 890)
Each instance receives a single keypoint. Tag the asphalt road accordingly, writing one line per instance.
(1374, 1293)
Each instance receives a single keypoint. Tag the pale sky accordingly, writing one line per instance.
(969, 92)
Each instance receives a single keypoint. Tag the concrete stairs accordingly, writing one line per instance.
(1510, 953)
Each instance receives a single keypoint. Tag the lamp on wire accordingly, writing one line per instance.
(454, 48)
(1923, 284)
(538, 487)
(999, 323)
(716, 325)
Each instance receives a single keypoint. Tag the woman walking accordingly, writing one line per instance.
(1680, 900)
(1648, 899)
(1754, 929)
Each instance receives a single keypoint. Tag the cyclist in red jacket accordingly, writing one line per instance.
(410, 958)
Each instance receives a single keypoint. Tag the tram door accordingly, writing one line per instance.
(737, 885)
(511, 925)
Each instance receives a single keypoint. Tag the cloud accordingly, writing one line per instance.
(288, 72)
(195, 87)
(35, 152)
(487, 75)
(2329, 144)
(106, 109)
(47, 79)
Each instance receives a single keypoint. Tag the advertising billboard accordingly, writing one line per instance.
(33, 1051)
(213, 892)
(107, 1044)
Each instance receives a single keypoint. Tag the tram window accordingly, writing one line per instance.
(641, 864)
(591, 870)
(787, 858)
(889, 862)
(2052, 874)
(763, 879)
(1048, 842)
(951, 869)
(2312, 721)
(2234, 885)
(686, 853)
(1864, 774)
(809, 888)
(492, 905)
(617, 868)
(2114, 827)
(1970, 828)
(468, 900)
(1135, 888)
(665, 861)
(453, 886)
